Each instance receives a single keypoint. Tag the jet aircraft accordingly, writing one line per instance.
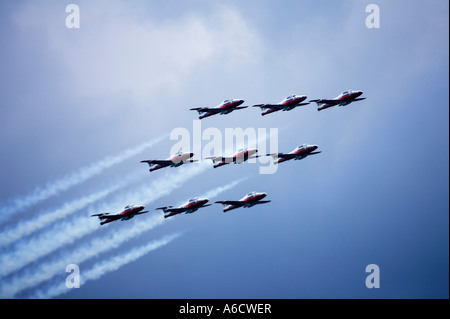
(299, 153)
(342, 99)
(225, 107)
(239, 157)
(287, 104)
(125, 214)
(189, 207)
(174, 161)
(249, 200)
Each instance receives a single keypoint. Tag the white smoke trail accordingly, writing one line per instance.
(27, 227)
(106, 266)
(27, 251)
(43, 219)
(75, 178)
(65, 233)
(95, 247)
(217, 191)
(69, 232)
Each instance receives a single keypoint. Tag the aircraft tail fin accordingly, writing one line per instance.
(229, 202)
(101, 216)
(319, 102)
(164, 208)
(149, 162)
(216, 159)
(200, 110)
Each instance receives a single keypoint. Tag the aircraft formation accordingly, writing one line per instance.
(241, 156)
(287, 104)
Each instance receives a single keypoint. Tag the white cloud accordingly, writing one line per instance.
(121, 49)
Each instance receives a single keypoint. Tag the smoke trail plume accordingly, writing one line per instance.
(97, 246)
(27, 251)
(43, 219)
(75, 178)
(106, 266)
(217, 191)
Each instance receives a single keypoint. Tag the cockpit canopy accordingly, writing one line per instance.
(250, 194)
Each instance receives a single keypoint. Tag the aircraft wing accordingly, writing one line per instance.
(314, 153)
(141, 212)
(106, 216)
(281, 155)
(239, 107)
(174, 210)
(269, 106)
(301, 104)
(158, 162)
(359, 99)
(206, 110)
(219, 159)
(231, 202)
(325, 101)
(98, 215)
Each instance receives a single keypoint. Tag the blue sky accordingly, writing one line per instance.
(81, 107)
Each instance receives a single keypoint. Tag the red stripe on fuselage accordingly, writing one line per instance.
(350, 96)
(269, 111)
(231, 105)
(254, 198)
(131, 211)
(206, 115)
(230, 208)
(305, 151)
(157, 167)
(281, 160)
(220, 164)
(195, 204)
(325, 107)
(295, 101)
